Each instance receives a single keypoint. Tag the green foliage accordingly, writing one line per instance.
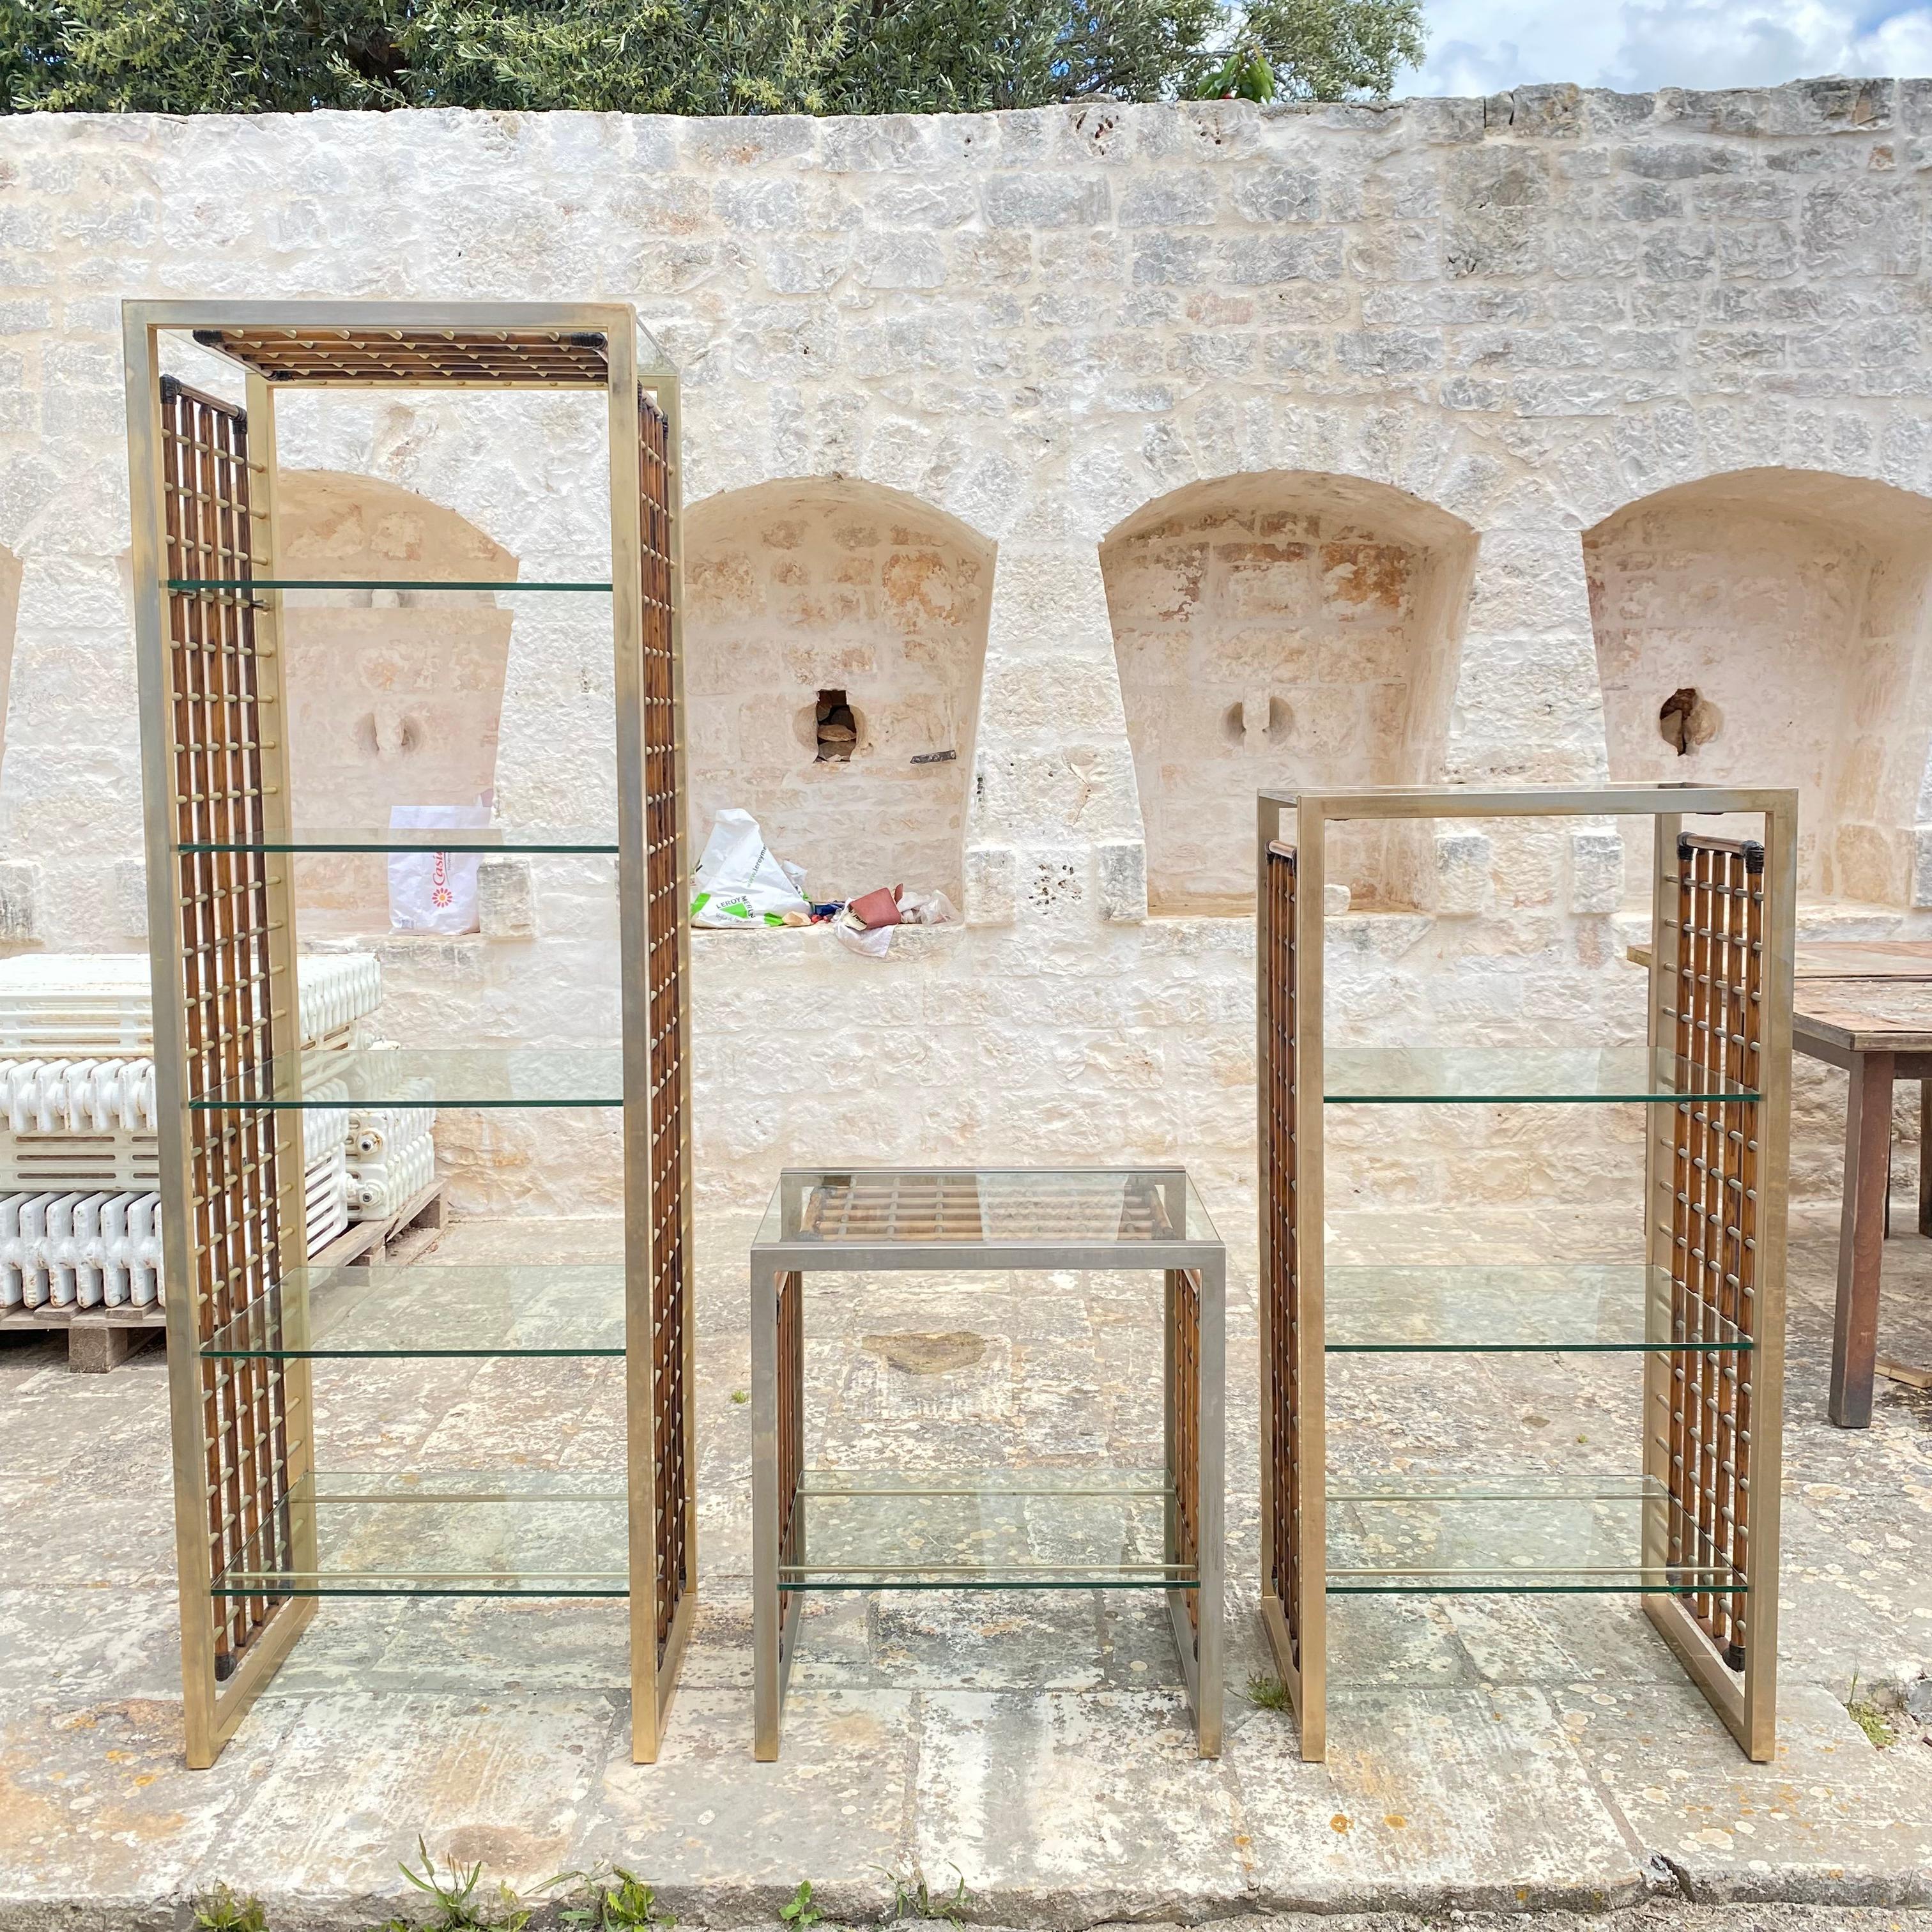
(459, 1907)
(1869, 1718)
(1268, 1693)
(1335, 49)
(801, 1914)
(1319, 50)
(611, 1899)
(912, 1898)
(687, 56)
(221, 1911)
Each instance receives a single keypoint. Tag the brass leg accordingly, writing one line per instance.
(1860, 1237)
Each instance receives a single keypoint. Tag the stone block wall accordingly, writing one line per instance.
(1620, 395)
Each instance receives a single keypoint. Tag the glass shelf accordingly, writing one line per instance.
(486, 839)
(457, 1076)
(526, 1533)
(1511, 1536)
(1403, 1076)
(1011, 1530)
(502, 586)
(1590, 1309)
(429, 1308)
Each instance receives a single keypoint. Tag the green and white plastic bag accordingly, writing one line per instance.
(739, 882)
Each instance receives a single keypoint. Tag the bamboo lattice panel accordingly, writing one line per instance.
(1184, 1402)
(1281, 1443)
(791, 1416)
(1718, 1004)
(665, 896)
(886, 1208)
(498, 358)
(220, 720)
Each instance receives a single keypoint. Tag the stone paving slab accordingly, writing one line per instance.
(1515, 1753)
(1831, 1819)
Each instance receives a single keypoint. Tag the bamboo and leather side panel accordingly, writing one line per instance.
(791, 1419)
(221, 718)
(1718, 1002)
(1281, 1449)
(1184, 1405)
(664, 914)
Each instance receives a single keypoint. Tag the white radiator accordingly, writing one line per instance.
(70, 1006)
(103, 1249)
(83, 1123)
(80, 1250)
(381, 1187)
(377, 1134)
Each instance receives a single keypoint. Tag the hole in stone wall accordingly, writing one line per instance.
(1257, 722)
(837, 728)
(1686, 720)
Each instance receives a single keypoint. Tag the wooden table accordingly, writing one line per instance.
(1864, 1005)
(1880, 1031)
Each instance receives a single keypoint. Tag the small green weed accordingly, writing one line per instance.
(741, 1396)
(801, 1914)
(1268, 1694)
(913, 1898)
(459, 1908)
(1869, 1718)
(221, 1911)
(613, 1900)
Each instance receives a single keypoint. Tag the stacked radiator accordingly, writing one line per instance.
(79, 1214)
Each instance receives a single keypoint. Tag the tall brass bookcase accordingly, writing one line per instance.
(262, 1533)
(1692, 1527)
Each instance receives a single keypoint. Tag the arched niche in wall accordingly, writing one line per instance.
(834, 636)
(1279, 629)
(1769, 627)
(395, 697)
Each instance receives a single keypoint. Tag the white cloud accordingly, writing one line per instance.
(1482, 46)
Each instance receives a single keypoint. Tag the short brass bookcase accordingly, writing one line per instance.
(1057, 1526)
(1692, 1526)
(262, 1532)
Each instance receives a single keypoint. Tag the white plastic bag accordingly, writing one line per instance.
(434, 892)
(739, 883)
(872, 942)
(932, 908)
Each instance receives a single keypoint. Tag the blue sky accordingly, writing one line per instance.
(1481, 46)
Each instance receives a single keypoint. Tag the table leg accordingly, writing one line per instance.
(1924, 1161)
(1860, 1237)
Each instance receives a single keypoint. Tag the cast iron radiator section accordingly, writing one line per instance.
(1714, 1253)
(663, 887)
(1281, 1443)
(234, 1158)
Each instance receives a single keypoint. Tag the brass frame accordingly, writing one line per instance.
(356, 345)
(1291, 839)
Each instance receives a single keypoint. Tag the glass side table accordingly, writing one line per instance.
(1061, 1529)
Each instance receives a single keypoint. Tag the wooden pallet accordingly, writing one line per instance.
(97, 1339)
(100, 1339)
